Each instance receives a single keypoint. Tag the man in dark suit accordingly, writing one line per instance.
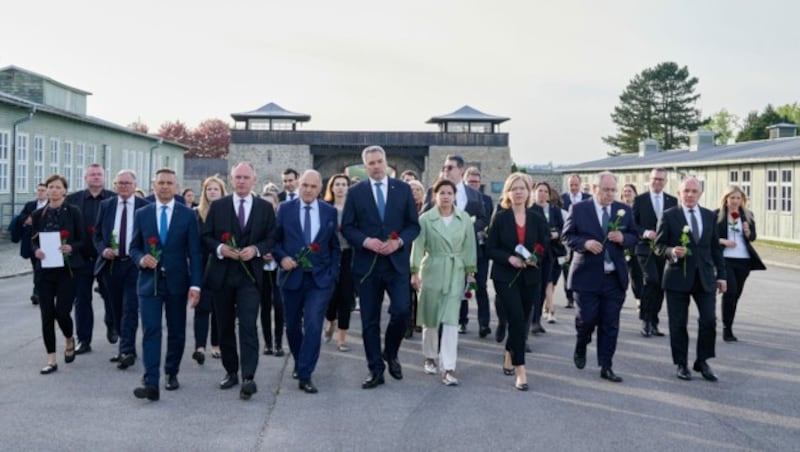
(647, 210)
(380, 223)
(688, 238)
(112, 237)
(472, 179)
(88, 202)
(239, 229)
(24, 219)
(573, 196)
(470, 201)
(306, 228)
(598, 231)
(289, 178)
(166, 246)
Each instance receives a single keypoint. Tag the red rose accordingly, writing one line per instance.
(314, 247)
(152, 241)
(226, 237)
(394, 235)
(735, 215)
(468, 295)
(64, 234)
(539, 249)
(91, 229)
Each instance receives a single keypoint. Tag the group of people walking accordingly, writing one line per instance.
(299, 257)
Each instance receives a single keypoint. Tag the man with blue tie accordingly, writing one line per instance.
(306, 230)
(112, 237)
(598, 231)
(239, 229)
(380, 223)
(166, 246)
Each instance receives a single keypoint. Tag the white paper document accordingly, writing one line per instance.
(50, 242)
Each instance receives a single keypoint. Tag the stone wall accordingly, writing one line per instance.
(270, 160)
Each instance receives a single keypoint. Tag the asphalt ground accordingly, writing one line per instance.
(88, 404)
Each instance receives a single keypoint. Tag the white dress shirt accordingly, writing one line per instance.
(461, 196)
(607, 266)
(170, 208)
(129, 222)
(248, 206)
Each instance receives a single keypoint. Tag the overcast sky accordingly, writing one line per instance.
(555, 68)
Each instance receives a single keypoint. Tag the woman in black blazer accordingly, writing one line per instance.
(56, 286)
(551, 269)
(737, 229)
(517, 281)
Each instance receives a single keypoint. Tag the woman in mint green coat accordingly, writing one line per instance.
(442, 256)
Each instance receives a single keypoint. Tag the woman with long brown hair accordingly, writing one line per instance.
(343, 297)
(737, 231)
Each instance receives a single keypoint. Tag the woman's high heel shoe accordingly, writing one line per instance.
(69, 353)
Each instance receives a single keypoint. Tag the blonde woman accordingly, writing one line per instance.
(343, 297)
(213, 188)
(737, 231)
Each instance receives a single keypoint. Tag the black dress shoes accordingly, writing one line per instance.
(172, 383)
(727, 335)
(395, 369)
(199, 356)
(608, 374)
(34, 299)
(656, 332)
(278, 352)
(126, 360)
(705, 370)
(229, 381)
(114, 359)
(307, 386)
(146, 392)
(248, 389)
(579, 357)
(372, 381)
(294, 375)
(82, 348)
(112, 336)
(500, 332)
(646, 330)
(268, 351)
(462, 329)
(683, 373)
(484, 331)
(570, 304)
(521, 386)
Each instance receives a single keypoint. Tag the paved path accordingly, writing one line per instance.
(88, 405)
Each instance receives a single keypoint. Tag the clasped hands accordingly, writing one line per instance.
(383, 248)
(245, 254)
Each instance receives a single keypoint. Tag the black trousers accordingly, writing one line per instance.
(56, 294)
(238, 301)
(652, 296)
(271, 303)
(738, 271)
(637, 278)
(343, 298)
(202, 312)
(517, 304)
(678, 308)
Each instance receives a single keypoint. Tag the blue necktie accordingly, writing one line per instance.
(606, 219)
(307, 225)
(163, 231)
(381, 201)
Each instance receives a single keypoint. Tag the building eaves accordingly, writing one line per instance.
(467, 113)
(44, 77)
(270, 111)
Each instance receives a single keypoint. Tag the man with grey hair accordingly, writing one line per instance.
(688, 237)
(380, 222)
(113, 232)
(598, 232)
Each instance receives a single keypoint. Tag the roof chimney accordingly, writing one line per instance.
(648, 146)
(701, 139)
(782, 130)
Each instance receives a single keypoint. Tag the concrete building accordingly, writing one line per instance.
(764, 169)
(269, 137)
(45, 129)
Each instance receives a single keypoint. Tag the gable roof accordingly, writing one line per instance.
(758, 151)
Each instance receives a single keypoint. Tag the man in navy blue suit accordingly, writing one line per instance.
(113, 232)
(598, 231)
(166, 246)
(380, 223)
(306, 228)
(573, 196)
